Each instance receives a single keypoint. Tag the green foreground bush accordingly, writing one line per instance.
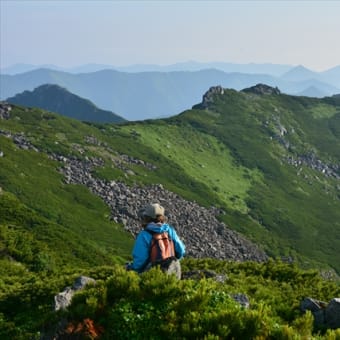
(124, 305)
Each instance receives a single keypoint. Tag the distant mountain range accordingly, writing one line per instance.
(153, 94)
(276, 70)
(57, 99)
(267, 68)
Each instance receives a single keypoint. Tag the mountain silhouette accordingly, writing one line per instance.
(59, 100)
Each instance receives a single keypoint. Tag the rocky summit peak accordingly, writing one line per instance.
(262, 89)
(208, 97)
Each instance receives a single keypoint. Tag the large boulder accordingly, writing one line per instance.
(325, 315)
(332, 314)
(5, 110)
(63, 299)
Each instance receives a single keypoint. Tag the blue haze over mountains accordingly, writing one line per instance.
(140, 92)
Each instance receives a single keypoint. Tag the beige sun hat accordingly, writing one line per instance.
(152, 210)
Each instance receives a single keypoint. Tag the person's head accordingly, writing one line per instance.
(153, 213)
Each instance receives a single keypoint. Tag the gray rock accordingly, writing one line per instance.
(203, 234)
(209, 96)
(310, 160)
(325, 315)
(311, 304)
(319, 317)
(262, 89)
(63, 299)
(5, 110)
(242, 299)
(175, 269)
(82, 281)
(332, 314)
(19, 139)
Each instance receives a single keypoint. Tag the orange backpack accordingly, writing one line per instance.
(162, 248)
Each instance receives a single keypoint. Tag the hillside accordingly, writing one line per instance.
(144, 95)
(293, 142)
(57, 99)
(267, 163)
(243, 175)
(103, 162)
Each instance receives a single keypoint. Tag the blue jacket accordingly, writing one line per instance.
(141, 250)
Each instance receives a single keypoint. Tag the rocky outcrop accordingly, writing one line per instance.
(201, 231)
(209, 96)
(19, 139)
(310, 160)
(325, 315)
(242, 299)
(279, 133)
(262, 89)
(5, 110)
(63, 299)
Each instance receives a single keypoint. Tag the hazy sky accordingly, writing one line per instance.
(70, 33)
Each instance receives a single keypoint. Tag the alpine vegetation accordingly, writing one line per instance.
(248, 180)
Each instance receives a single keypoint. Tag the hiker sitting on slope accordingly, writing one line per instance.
(157, 243)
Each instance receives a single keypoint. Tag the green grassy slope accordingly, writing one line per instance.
(232, 155)
(293, 210)
(70, 220)
(202, 157)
